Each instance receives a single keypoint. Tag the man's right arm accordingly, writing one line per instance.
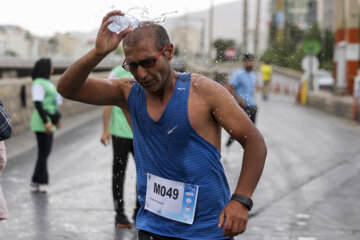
(74, 83)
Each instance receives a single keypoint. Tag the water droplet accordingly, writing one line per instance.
(302, 215)
(300, 223)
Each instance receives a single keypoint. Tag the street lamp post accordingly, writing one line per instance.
(211, 20)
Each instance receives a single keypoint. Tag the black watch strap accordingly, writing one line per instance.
(246, 201)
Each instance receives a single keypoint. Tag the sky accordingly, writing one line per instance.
(46, 17)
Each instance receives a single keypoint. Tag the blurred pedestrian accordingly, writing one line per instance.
(5, 133)
(266, 72)
(176, 120)
(45, 119)
(242, 86)
(5, 123)
(122, 143)
(3, 207)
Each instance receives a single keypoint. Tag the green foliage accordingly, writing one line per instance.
(287, 51)
(11, 53)
(327, 51)
(221, 45)
(282, 56)
(313, 33)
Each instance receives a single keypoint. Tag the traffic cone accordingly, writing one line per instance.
(277, 88)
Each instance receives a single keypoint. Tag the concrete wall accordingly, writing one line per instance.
(341, 106)
(288, 72)
(10, 92)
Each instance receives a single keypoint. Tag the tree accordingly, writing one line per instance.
(11, 53)
(285, 51)
(289, 53)
(221, 45)
(327, 51)
(313, 33)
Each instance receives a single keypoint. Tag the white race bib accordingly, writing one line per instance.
(171, 199)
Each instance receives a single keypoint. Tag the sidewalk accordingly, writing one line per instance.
(21, 143)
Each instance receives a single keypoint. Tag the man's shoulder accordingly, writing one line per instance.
(201, 81)
(204, 87)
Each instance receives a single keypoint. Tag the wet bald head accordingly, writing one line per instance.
(148, 30)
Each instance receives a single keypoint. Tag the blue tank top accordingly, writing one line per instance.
(170, 148)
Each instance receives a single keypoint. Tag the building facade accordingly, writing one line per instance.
(326, 15)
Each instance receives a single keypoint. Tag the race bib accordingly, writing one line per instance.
(171, 199)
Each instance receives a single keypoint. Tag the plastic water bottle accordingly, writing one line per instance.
(120, 23)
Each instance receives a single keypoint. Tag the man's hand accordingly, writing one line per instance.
(235, 216)
(106, 40)
(105, 138)
(48, 127)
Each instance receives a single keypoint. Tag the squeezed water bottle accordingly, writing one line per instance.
(120, 23)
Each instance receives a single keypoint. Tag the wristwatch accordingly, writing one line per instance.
(246, 201)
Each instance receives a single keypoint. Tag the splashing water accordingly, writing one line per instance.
(133, 17)
(143, 14)
(140, 13)
(161, 19)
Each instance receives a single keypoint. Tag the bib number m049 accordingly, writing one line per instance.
(162, 191)
(171, 199)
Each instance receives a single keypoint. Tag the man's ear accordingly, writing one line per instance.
(169, 51)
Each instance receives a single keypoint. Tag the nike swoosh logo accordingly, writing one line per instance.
(171, 130)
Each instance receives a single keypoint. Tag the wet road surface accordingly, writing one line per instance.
(309, 189)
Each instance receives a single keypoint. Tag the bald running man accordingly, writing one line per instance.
(176, 120)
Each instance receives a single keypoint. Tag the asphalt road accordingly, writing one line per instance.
(308, 190)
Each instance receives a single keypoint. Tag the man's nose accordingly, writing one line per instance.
(141, 72)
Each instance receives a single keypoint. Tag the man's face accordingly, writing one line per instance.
(153, 78)
(248, 65)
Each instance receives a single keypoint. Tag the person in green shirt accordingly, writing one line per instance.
(122, 142)
(44, 120)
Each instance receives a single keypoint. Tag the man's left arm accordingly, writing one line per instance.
(234, 120)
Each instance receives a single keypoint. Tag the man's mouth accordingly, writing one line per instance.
(147, 82)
